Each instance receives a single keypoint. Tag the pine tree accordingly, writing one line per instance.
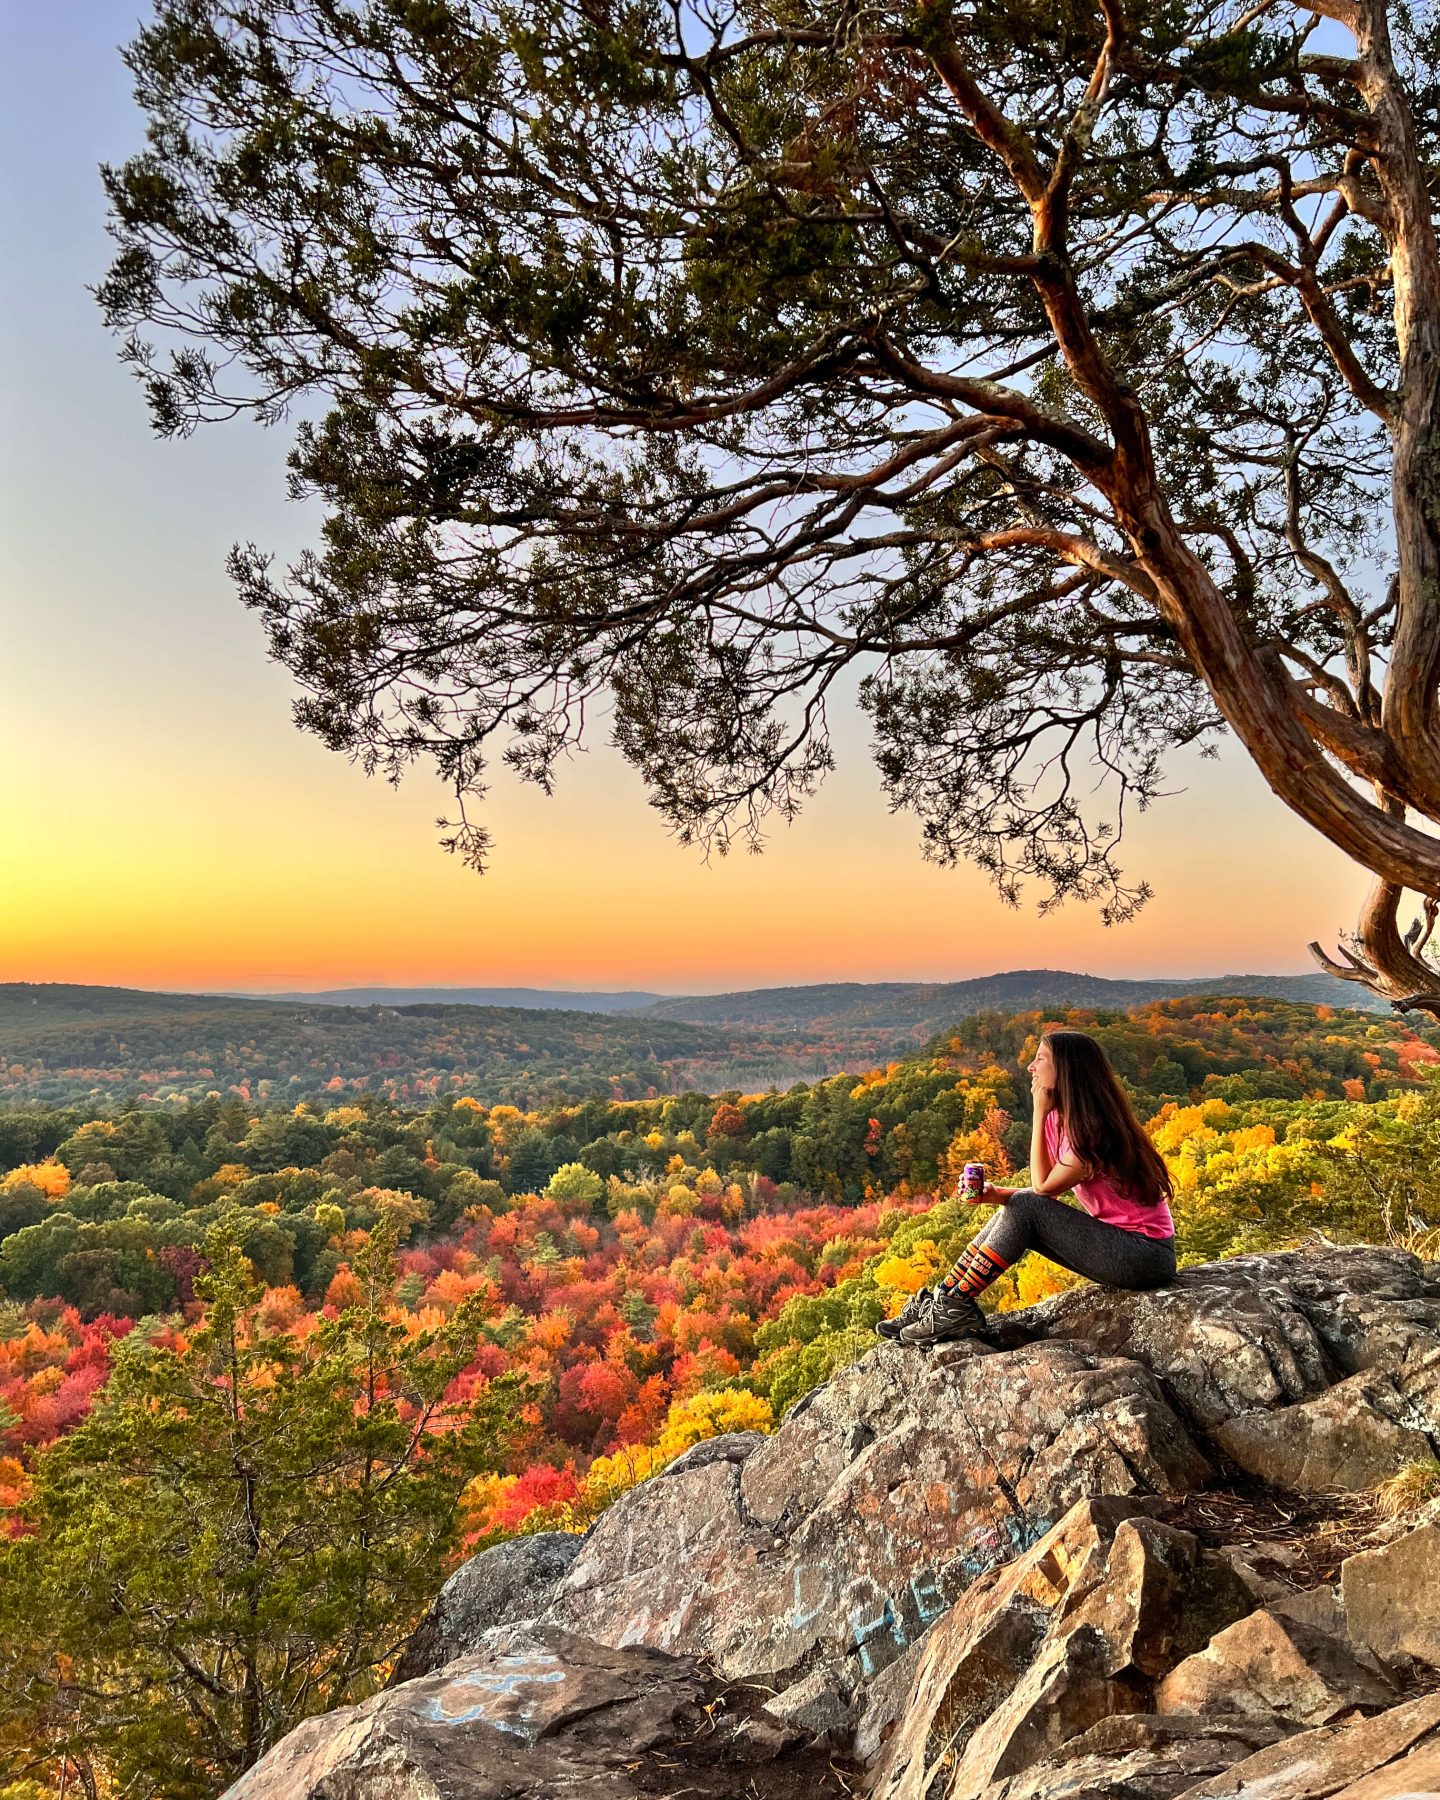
(240, 1535)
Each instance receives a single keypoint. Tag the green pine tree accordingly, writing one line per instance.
(241, 1534)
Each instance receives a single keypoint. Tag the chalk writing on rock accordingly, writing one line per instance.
(502, 1688)
(883, 1625)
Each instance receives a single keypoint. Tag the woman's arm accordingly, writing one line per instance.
(1061, 1177)
(1041, 1160)
(1047, 1174)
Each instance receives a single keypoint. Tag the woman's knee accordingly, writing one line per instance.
(1012, 1231)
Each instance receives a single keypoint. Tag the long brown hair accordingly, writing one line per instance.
(1100, 1121)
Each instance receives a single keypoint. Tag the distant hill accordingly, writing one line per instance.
(36, 1002)
(923, 1006)
(537, 999)
(66, 1044)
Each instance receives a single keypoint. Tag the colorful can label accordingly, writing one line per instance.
(973, 1180)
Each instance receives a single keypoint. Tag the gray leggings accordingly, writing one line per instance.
(1078, 1242)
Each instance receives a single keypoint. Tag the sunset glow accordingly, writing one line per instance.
(166, 826)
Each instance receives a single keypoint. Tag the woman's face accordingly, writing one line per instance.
(1043, 1067)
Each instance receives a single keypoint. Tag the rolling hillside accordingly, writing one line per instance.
(922, 1007)
(66, 1044)
(63, 1045)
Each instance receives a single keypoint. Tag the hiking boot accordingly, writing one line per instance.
(951, 1315)
(915, 1308)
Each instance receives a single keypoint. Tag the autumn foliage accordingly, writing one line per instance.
(643, 1275)
(660, 1268)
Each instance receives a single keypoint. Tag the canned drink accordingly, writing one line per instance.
(973, 1180)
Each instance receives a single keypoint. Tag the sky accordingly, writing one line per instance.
(164, 825)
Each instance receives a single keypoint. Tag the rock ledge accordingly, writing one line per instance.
(967, 1576)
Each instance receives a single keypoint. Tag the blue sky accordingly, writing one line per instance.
(165, 825)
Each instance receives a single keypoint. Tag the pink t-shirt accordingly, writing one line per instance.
(1101, 1199)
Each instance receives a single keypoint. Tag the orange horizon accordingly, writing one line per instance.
(229, 853)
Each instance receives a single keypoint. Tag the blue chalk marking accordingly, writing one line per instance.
(800, 1618)
(494, 1685)
(929, 1601)
(866, 1629)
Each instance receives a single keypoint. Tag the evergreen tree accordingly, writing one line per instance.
(241, 1534)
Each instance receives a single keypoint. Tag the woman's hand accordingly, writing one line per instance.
(990, 1195)
(1041, 1096)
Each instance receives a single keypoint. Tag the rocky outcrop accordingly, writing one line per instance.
(1135, 1756)
(970, 1575)
(730, 1446)
(1073, 1632)
(867, 1515)
(1391, 1597)
(1257, 1333)
(1272, 1666)
(1337, 1760)
(506, 1585)
(1351, 1436)
(540, 1715)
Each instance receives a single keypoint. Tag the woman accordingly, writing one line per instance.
(1084, 1138)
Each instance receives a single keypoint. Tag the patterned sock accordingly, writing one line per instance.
(975, 1268)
